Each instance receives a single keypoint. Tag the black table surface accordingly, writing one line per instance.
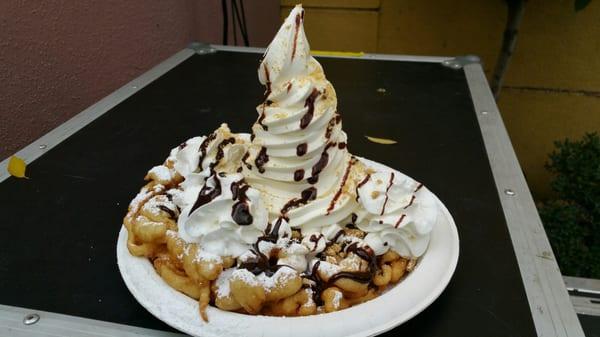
(59, 228)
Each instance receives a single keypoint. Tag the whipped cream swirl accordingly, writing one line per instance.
(242, 195)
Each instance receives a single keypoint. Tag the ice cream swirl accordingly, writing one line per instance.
(298, 157)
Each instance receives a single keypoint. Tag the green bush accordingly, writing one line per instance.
(572, 220)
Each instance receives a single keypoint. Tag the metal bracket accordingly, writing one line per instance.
(461, 61)
(202, 48)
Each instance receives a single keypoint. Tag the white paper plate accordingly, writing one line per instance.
(402, 302)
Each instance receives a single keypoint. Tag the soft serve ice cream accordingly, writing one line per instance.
(289, 200)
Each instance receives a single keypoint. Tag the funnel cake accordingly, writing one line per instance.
(283, 221)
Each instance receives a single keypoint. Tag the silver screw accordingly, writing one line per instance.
(484, 112)
(134, 86)
(446, 63)
(509, 192)
(381, 90)
(455, 65)
(31, 319)
(43, 146)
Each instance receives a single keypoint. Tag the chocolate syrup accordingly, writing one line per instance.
(182, 145)
(320, 165)
(297, 27)
(364, 253)
(418, 187)
(354, 217)
(338, 193)
(261, 159)
(244, 160)
(298, 174)
(310, 103)
(167, 210)
(301, 149)
(358, 276)
(337, 236)
(207, 194)
(241, 213)
(268, 80)
(329, 128)
(338, 117)
(261, 118)
(412, 199)
(386, 192)
(399, 220)
(262, 263)
(220, 152)
(341, 145)
(289, 86)
(307, 195)
(203, 147)
(362, 182)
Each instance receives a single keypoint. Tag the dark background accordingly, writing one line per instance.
(59, 230)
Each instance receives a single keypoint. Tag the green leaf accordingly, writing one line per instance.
(581, 4)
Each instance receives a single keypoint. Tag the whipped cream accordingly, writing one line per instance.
(243, 194)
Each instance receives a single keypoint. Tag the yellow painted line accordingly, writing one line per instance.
(336, 53)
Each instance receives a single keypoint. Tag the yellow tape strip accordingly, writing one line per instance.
(336, 53)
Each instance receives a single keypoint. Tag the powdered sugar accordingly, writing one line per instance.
(161, 172)
(245, 276)
(328, 269)
(222, 283)
(281, 277)
(204, 256)
(337, 299)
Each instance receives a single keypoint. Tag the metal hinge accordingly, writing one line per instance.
(461, 61)
(202, 48)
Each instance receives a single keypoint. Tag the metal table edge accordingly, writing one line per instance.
(549, 302)
(551, 308)
(43, 323)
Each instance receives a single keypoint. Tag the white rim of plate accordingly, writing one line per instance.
(416, 292)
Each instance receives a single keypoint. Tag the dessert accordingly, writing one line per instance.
(283, 221)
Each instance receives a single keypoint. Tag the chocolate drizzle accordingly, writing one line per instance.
(364, 253)
(307, 195)
(167, 210)
(399, 221)
(310, 103)
(362, 182)
(268, 80)
(338, 193)
(320, 165)
(261, 118)
(207, 193)
(298, 174)
(244, 160)
(261, 159)
(386, 192)
(301, 149)
(262, 263)
(412, 199)
(329, 128)
(341, 145)
(240, 211)
(418, 187)
(220, 153)
(203, 147)
(297, 27)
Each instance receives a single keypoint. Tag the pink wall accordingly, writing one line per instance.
(59, 57)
